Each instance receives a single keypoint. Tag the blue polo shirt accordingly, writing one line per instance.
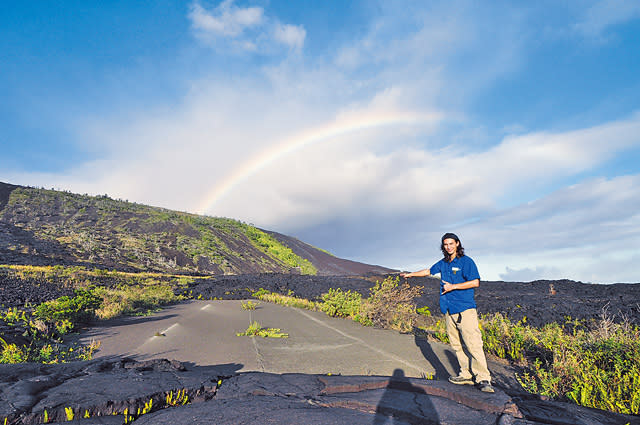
(461, 269)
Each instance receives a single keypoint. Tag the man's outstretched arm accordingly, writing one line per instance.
(419, 273)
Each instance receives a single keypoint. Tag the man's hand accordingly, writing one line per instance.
(447, 287)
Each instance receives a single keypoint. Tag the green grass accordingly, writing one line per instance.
(249, 305)
(134, 300)
(286, 300)
(274, 248)
(255, 329)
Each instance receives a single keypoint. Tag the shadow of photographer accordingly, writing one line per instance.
(402, 403)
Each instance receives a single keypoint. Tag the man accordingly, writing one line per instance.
(459, 276)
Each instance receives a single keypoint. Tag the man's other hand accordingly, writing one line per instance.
(447, 287)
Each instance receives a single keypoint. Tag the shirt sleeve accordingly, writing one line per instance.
(469, 270)
(436, 268)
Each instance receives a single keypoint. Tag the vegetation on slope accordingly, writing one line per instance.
(67, 228)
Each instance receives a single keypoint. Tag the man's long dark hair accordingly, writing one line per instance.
(459, 251)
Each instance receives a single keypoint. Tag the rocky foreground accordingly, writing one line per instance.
(119, 391)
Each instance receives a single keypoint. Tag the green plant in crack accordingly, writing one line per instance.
(249, 305)
(255, 329)
(69, 413)
(180, 398)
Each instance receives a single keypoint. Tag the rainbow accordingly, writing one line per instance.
(338, 127)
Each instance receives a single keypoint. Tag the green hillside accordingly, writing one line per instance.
(48, 227)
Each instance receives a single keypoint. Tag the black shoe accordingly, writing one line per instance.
(485, 387)
(459, 380)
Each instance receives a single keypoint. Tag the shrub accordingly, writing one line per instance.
(68, 311)
(338, 303)
(392, 305)
(46, 323)
(505, 339)
(259, 293)
(13, 316)
(11, 353)
(440, 331)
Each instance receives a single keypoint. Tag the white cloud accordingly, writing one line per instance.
(581, 214)
(290, 35)
(470, 181)
(576, 232)
(229, 27)
(588, 232)
(226, 19)
(540, 158)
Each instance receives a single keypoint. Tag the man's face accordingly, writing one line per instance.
(450, 245)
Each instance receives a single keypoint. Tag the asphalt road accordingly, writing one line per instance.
(204, 333)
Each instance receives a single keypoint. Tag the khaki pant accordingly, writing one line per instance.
(466, 340)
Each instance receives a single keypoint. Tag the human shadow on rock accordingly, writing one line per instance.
(402, 403)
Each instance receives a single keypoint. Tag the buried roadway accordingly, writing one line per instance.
(328, 371)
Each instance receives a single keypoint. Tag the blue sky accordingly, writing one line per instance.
(366, 128)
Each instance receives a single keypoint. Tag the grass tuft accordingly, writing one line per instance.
(255, 329)
(249, 305)
(286, 300)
